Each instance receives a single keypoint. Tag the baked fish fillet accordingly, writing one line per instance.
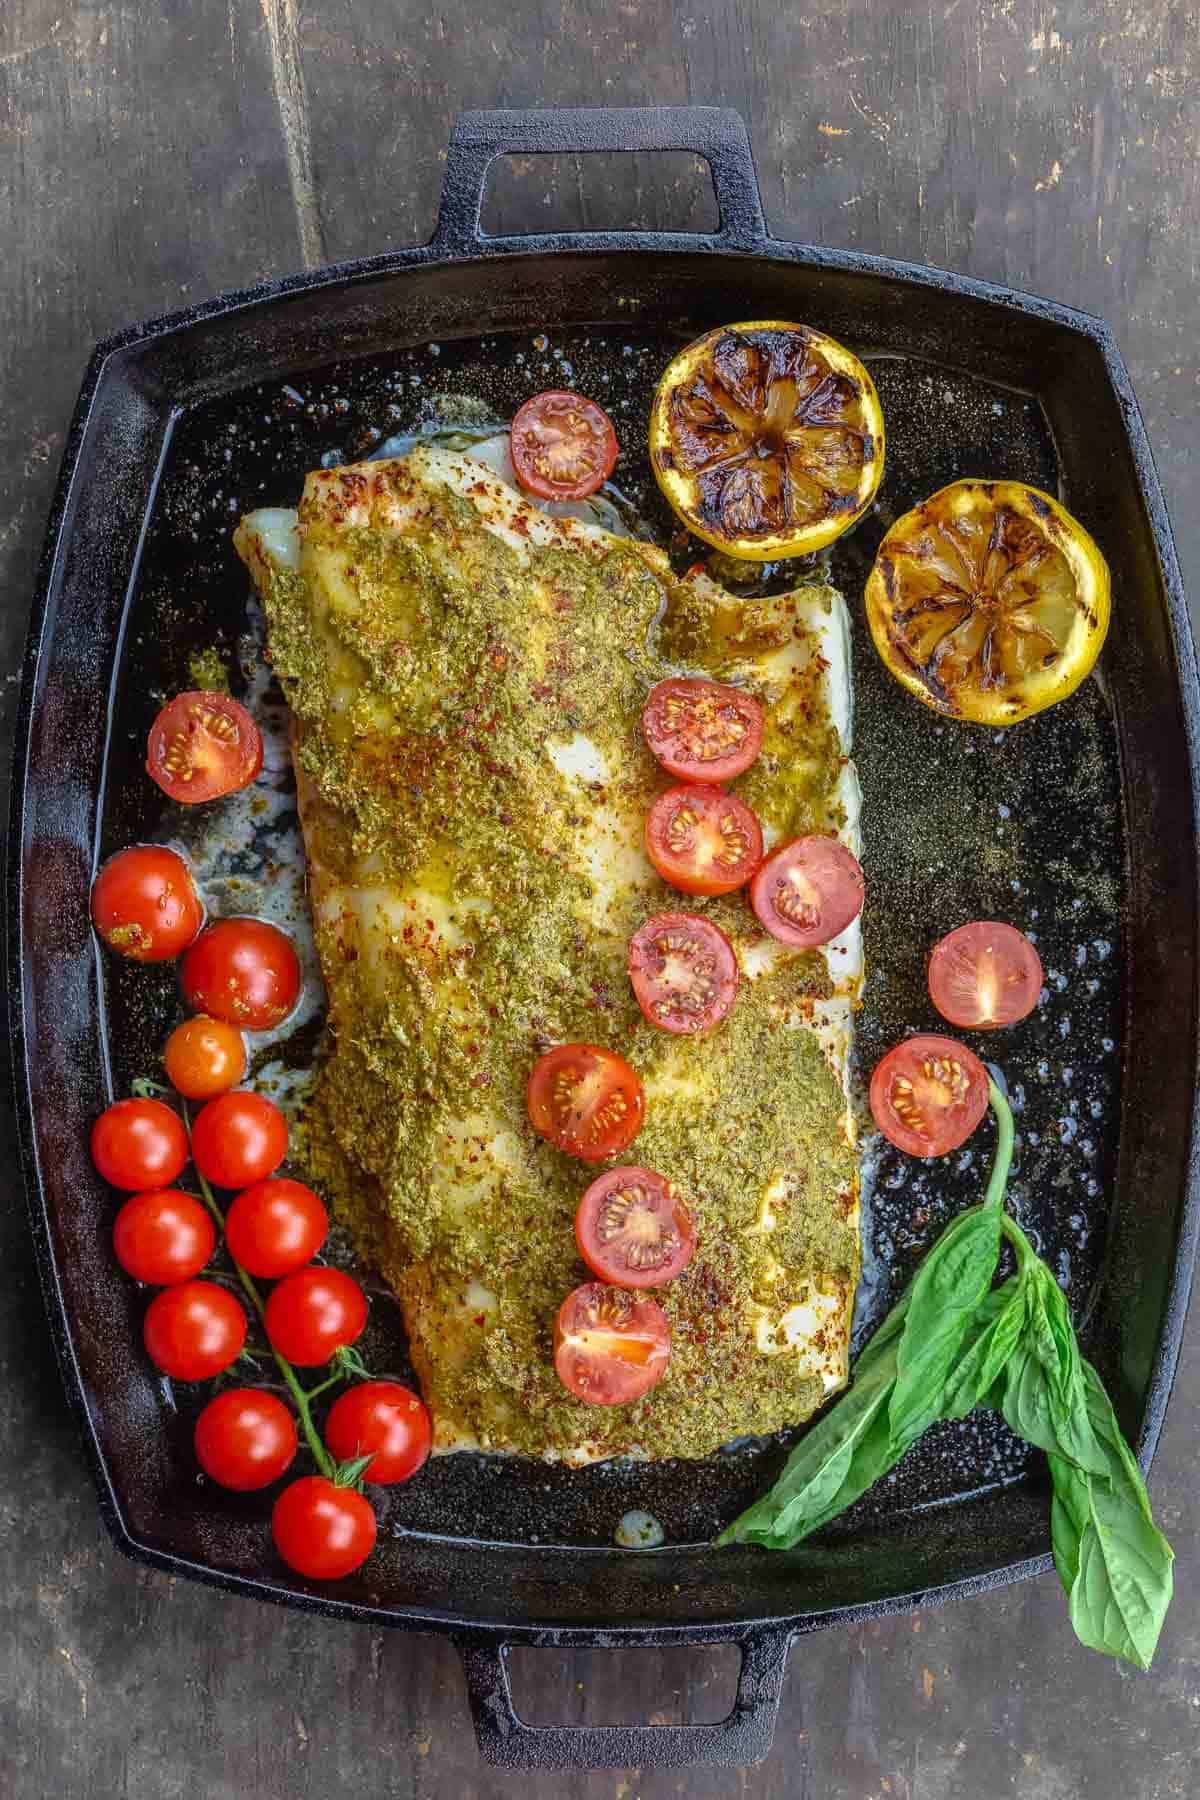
(466, 677)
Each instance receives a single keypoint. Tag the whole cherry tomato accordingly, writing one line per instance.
(239, 1138)
(163, 1237)
(194, 1330)
(313, 1313)
(321, 1530)
(385, 1418)
(139, 1145)
(275, 1227)
(245, 1438)
(145, 905)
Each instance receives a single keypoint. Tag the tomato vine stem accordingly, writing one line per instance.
(300, 1395)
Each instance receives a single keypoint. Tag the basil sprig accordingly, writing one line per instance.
(953, 1342)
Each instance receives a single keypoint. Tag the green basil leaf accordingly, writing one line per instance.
(953, 1279)
(812, 1479)
(1113, 1560)
(1070, 1512)
(997, 1328)
(1045, 1402)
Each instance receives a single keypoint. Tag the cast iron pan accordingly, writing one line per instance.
(1079, 825)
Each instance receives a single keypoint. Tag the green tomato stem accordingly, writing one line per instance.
(1002, 1160)
(312, 1436)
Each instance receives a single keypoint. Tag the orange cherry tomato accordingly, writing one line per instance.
(243, 972)
(929, 1094)
(204, 1057)
(203, 745)
(586, 1100)
(807, 891)
(702, 839)
(633, 1229)
(984, 975)
(563, 446)
(702, 730)
(145, 905)
(610, 1346)
(684, 972)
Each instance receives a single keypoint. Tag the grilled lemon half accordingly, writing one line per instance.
(767, 439)
(989, 601)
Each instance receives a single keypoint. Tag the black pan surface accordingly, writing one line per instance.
(1077, 826)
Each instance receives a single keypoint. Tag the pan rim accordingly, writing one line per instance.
(509, 250)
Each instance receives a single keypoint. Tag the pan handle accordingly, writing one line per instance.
(715, 132)
(734, 1742)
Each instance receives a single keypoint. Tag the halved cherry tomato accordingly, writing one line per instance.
(139, 1145)
(929, 1094)
(194, 1330)
(610, 1346)
(163, 1237)
(684, 971)
(145, 905)
(275, 1227)
(244, 972)
(204, 1057)
(702, 839)
(702, 730)
(586, 1100)
(385, 1418)
(313, 1313)
(984, 975)
(203, 745)
(322, 1530)
(807, 891)
(239, 1139)
(563, 446)
(245, 1439)
(633, 1229)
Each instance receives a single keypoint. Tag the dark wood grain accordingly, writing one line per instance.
(151, 155)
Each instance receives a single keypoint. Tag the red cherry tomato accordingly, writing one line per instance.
(139, 1145)
(145, 905)
(610, 1346)
(238, 1139)
(313, 1313)
(275, 1227)
(633, 1229)
(203, 745)
(563, 446)
(984, 975)
(684, 972)
(194, 1330)
(244, 972)
(702, 730)
(163, 1237)
(204, 1057)
(245, 1439)
(383, 1417)
(807, 891)
(702, 839)
(322, 1531)
(929, 1094)
(586, 1100)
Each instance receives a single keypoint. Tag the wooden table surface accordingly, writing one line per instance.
(156, 154)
